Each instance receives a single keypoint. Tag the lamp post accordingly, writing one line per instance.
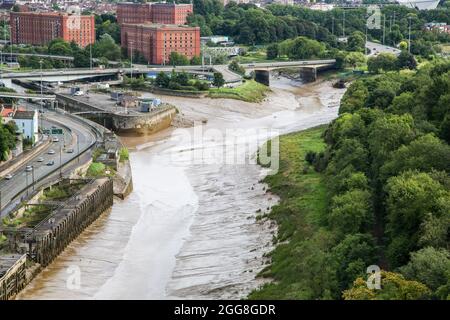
(90, 48)
(42, 100)
(60, 161)
(131, 57)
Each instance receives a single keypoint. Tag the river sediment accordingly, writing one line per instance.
(189, 228)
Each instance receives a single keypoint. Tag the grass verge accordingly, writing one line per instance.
(299, 215)
(249, 91)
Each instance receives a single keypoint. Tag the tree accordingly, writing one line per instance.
(178, 59)
(162, 80)
(429, 266)
(382, 62)
(393, 287)
(7, 140)
(195, 61)
(351, 212)
(235, 67)
(272, 51)
(406, 60)
(302, 48)
(426, 153)
(410, 196)
(356, 41)
(106, 47)
(59, 47)
(218, 80)
(355, 59)
(353, 254)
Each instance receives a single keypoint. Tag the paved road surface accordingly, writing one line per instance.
(10, 189)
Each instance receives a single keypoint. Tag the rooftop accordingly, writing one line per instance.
(24, 115)
(160, 25)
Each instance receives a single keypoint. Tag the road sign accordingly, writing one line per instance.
(46, 131)
(57, 131)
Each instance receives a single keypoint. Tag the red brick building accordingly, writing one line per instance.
(155, 41)
(164, 13)
(39, 28)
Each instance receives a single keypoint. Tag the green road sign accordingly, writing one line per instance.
(57, 131)
(46, 131)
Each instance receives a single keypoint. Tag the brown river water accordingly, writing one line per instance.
(188, 230)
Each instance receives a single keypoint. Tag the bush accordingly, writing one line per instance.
(123, 154)
(96, 169)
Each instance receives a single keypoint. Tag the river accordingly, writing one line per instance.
(189, 228)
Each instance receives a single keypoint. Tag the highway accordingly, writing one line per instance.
(377, 48)
(73, 74)
(78, 137)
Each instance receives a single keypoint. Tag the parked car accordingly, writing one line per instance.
(78, 93)
(40, 159)
(50, 163)
(29, 168)
(55, 139)
(51, 151)
(8, 176)
(69, 150)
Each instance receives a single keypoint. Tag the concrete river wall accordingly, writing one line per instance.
(52, 236)
(140, 123)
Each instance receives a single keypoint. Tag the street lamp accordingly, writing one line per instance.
(131, 44)
(60, 161)
(42, 101)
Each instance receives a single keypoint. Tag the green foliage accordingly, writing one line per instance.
(235, 67)
(355, 59)
(250, 91)
(410, 196)
(96, 169)
(106, 47)
(393, 287)
(301, 48)
(382, 62)
(406, 61)
(123, 154)
(351, 212)
(430, 266)
(178, 59)
(218, 81)
(272, 51)
(356, 41)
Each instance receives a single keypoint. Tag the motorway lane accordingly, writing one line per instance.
(377, 48)
(79, 136)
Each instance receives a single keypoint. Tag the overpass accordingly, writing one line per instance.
(38, 55)
(27, 96)
(229, 76)
(308, 69)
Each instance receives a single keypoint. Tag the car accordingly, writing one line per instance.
(50, 163)
(8, 176)
(69, 150)
(40, 159)
(51, 151)
(28, 168)
(78, 93)
(55, 139)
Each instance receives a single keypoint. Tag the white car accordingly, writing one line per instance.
(8, 176)
(51, 151)
(40, 159)
(78, 93)
(29, 168)
(55, 139)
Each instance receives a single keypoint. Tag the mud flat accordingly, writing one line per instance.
(189, 228)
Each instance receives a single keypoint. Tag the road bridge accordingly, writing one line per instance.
(27, 96)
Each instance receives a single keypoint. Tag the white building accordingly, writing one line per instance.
(27, 124)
